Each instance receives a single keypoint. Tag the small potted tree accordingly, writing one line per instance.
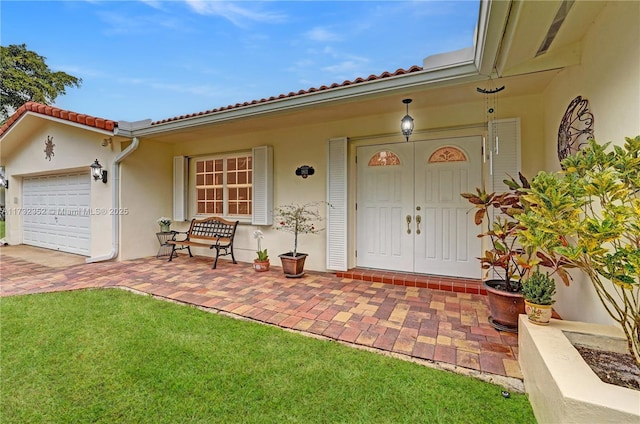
(505, 261)
(297, 219)
(538, 291)
(261, 263)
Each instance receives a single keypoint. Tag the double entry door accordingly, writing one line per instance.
(410, 215)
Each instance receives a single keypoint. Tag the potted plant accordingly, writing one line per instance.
(165, 224)
(297, 219)
(505, 261)
(538, 291)
(588, 217)
(261, 263)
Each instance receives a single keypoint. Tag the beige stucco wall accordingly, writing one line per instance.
(306, 144)
(146, 193)
(609, 77)
(292, 147)
(75, 149)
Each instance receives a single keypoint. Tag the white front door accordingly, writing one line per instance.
(385, 200)
(410, 215)
(56, 213)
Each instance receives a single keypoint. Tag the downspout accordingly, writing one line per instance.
(115, 202)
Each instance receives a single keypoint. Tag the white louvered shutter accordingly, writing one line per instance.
(262, 186)
(180, 179)
(337, 209)
(504, 157)
(504, 153)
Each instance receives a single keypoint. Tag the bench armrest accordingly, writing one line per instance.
(185, 235)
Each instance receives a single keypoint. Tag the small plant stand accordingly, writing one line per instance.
(165, 249)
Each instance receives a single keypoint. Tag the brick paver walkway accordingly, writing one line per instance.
(448, 330)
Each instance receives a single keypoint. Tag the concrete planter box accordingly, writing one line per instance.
(562, 388)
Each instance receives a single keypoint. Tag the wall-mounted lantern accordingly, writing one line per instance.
(4, 181)
(97, 172)
(304, 171)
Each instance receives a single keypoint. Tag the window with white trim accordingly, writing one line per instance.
(224, 185)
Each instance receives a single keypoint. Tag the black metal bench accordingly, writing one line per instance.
(212, 232)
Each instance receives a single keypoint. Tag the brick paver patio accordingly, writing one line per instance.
(438, 328)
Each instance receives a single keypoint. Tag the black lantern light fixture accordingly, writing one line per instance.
(4, 181)
(304, 171)
(407, 122)
(97, 172)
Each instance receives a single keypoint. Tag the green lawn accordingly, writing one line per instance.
(113, 356)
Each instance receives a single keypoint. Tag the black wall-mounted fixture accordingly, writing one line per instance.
(4, 181)
(97, 172)
(406, 124)
(304, 171)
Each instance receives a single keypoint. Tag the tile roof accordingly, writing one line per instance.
(109, 125)
(372, 77)
(90, 121)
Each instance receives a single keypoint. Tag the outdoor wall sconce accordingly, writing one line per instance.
(4, 181)
(304, 171)
(97, 172)
(407, 122)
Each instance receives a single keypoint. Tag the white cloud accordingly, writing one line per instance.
(233, 12)
(121, 24)
(322, 34)
(347, 67)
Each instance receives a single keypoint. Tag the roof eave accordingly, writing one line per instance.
(462, 73)
(66, 122)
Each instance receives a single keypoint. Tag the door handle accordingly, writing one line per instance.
(408, 224)
(418, 221)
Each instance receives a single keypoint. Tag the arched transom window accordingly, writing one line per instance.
(448, 154)
(384, 158)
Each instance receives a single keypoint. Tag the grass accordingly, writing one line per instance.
(2, 233)
(113, 356)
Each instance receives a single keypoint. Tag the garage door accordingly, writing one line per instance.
(56, 212)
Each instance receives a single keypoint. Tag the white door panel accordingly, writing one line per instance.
(448, 244)
(382, 208)
(57, 212)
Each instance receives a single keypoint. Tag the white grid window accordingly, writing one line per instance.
(224, 185)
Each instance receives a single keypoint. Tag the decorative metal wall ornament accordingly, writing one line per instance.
(576, 128)
(48, 148)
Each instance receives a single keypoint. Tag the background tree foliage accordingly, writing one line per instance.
(24, 77)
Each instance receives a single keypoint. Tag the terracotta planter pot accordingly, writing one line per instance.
(261, 266)
(538, 314)
(293, 266)
(505, 306)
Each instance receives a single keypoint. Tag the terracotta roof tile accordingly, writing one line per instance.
(292, 94)
(109, 125)
(90, 121)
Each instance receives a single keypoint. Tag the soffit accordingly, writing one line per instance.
(530, 22)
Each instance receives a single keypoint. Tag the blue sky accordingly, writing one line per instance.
(159, 59)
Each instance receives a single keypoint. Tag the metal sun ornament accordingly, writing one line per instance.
(48, 148)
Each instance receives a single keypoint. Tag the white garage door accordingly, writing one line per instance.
(56, 212)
